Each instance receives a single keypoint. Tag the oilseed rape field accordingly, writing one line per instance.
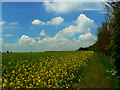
(44, 69)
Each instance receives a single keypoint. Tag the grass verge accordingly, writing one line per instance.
(100, 73)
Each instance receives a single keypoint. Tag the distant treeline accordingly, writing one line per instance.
(6, 52)
(90, 48)
(51, 51)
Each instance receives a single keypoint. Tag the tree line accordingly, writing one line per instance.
(108, 41)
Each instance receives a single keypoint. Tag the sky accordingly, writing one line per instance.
(49, 26)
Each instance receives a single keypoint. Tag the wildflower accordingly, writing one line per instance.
(3, 84)
(11, 83)
(13, 71)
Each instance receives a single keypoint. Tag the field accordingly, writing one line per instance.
(44, 69)
(70, 69)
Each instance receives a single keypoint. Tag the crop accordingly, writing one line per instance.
(53, 70)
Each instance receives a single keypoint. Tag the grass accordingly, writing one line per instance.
(99, 73)
(110, 71)
(82, 69)
(0, 71)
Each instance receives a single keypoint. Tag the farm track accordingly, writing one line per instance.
(95, 77)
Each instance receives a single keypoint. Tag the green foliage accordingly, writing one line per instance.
(114, 17)
(110, 70)
(83, 49)
(115, 43)
(103, 40)
(108, 41)
(92, 47)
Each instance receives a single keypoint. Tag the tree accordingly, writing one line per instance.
(113, 7)
(7, 51)
(103, 40)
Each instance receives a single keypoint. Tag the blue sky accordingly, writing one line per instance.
(41, 26)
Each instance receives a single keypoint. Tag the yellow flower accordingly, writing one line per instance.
(13, 71)
(79, 80)
(18, 87)
(39, 80)
(9, 62)
(5, 80)
(18, 82)
(3, 84)
(37, 83)
(38, 77)
(11, 83)
(44, 83)
(30, 84)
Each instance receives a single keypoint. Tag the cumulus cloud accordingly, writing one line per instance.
(83, 25)
(37, 22)
(86, 36)
(61, 40)
(53, 21)
(8, 35)
(2, 22)
(60, 7)
(27, 43)
(13, 23)
(42, 33)
(67, 7)
(26, 40)
(56, 21)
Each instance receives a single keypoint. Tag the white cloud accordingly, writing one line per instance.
(83, 25)
(60, 41)
(104, 12)
(27, 43)
(26, 40)
(56, 21)
(42, 33)
(67, 7)
(86, 36)
(2, 22)
(60, 7)
(8, 35)
(37, 22)
(13, 23)
(82, 19)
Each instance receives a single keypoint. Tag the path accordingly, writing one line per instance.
(95, 77)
